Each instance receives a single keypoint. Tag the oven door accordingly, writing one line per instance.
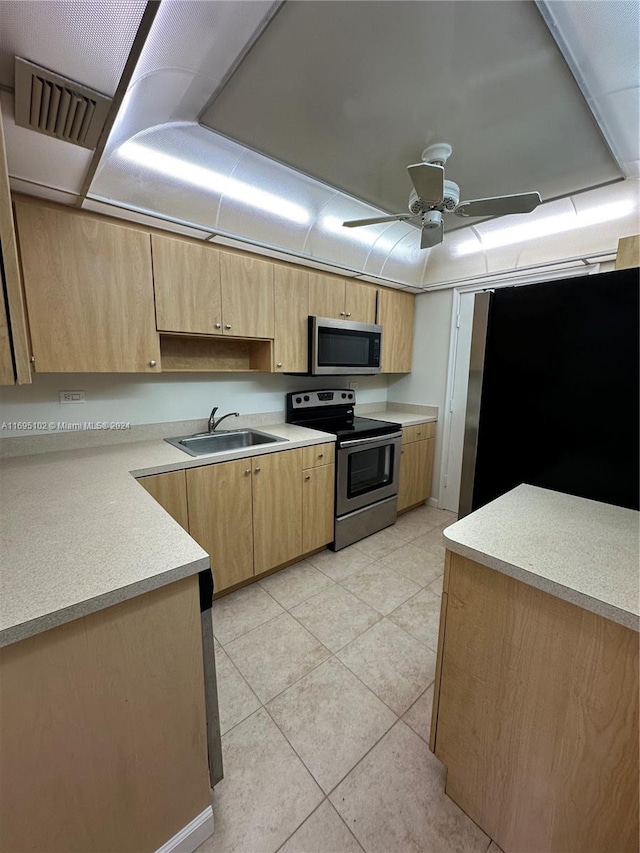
(368, 471)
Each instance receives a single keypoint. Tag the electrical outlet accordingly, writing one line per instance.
(354, 386)
(71, 396)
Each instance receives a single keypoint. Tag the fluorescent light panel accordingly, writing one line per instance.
(207, 179)
(554, 224)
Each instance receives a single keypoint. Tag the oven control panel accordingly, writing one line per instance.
(318, 399)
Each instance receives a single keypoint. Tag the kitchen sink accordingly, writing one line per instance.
(220, 442)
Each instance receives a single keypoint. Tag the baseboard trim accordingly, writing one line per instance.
(192, 835)
(433, 502)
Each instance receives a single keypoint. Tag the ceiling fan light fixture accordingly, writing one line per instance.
(208, 179)
(550, 225)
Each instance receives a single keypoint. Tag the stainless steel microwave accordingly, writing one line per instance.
(342, 347)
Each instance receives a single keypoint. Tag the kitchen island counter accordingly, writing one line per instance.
(535, 712)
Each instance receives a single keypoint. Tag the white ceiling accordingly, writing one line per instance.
(348, 92)
(351, 93)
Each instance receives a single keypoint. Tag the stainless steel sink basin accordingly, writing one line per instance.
(220, 442)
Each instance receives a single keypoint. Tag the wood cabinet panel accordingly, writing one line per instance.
(326, 296)
(628, 255)
(220, 513)
(291, 299)
(538, 719)
(89, 290)
(247, 296)
(103, 742)
(318, 454)
(395, 314)
(16, 317)
(360, 302)
(317, 507)
(277, 508)
(418, 432)
(6, 360)
(186, 279)
(416, 468)
(170, 490)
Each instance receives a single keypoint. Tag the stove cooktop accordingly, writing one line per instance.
(332, 411)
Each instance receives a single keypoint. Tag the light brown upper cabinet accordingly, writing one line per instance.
(186, 279)
(247, 296)
(89, 291)
(203, 291)
(341, 299)
(6, 360)
(291, 296)
(395, 315)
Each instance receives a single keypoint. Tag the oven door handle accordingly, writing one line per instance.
(381, 439)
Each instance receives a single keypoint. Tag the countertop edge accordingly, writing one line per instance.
(573, 596)
(24, 630)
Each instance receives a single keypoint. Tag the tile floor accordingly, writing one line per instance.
(325, 682)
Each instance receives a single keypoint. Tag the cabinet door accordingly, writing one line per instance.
(360, 302)
(170, 490)
(89, 290)
(326, 296)
(6, 361)
(416, 466)
(291, 298)
(220, 518)
(317, 507)
(247, 296)
(186, 280)
(277, 508)
(395, 315)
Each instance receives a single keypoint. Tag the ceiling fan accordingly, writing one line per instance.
(432, 196)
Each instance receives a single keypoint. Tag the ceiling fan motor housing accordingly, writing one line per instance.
(432, 219)
(451, 195)
(416, 205)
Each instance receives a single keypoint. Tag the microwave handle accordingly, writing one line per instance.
(379, 438)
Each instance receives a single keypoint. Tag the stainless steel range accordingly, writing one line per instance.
(367, 461)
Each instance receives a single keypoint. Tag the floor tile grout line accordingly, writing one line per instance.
(289, 837)
(349, 641)
(328, 794)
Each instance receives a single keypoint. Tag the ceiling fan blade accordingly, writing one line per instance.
(428, 181)
(431, 236)
(500, 205)
(356, 223)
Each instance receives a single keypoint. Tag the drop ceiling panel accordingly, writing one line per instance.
(84, 40)
(351, 93)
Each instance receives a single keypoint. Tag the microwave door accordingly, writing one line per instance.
(340, 347)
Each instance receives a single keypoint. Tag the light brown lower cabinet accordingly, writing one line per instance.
(277, 509)
(416, 467)
(170, 491)
(255, 514)
(103, 741)
(317, 507)
(220, 518)
(535, 715)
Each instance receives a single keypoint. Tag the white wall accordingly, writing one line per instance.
(159, 398)
(427, 384)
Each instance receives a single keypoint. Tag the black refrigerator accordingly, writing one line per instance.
(553, 395)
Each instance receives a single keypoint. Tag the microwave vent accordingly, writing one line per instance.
(51, 104)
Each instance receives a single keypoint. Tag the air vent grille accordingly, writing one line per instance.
(51, 104)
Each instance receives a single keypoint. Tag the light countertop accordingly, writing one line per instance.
(79, 534)
(579, 550)
(402, 417)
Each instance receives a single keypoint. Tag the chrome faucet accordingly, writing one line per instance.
(215, 423)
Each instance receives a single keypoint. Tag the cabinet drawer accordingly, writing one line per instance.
(318, 454)
(418, 432)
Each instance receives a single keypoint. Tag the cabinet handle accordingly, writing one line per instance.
(247, 471)
(308, 477)
(402, 451)
(227, 326)
(218, 325)
(279, 364)
(257, 470)
(348, 313)
(153, 362)
(342, 314)
(320, 455)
